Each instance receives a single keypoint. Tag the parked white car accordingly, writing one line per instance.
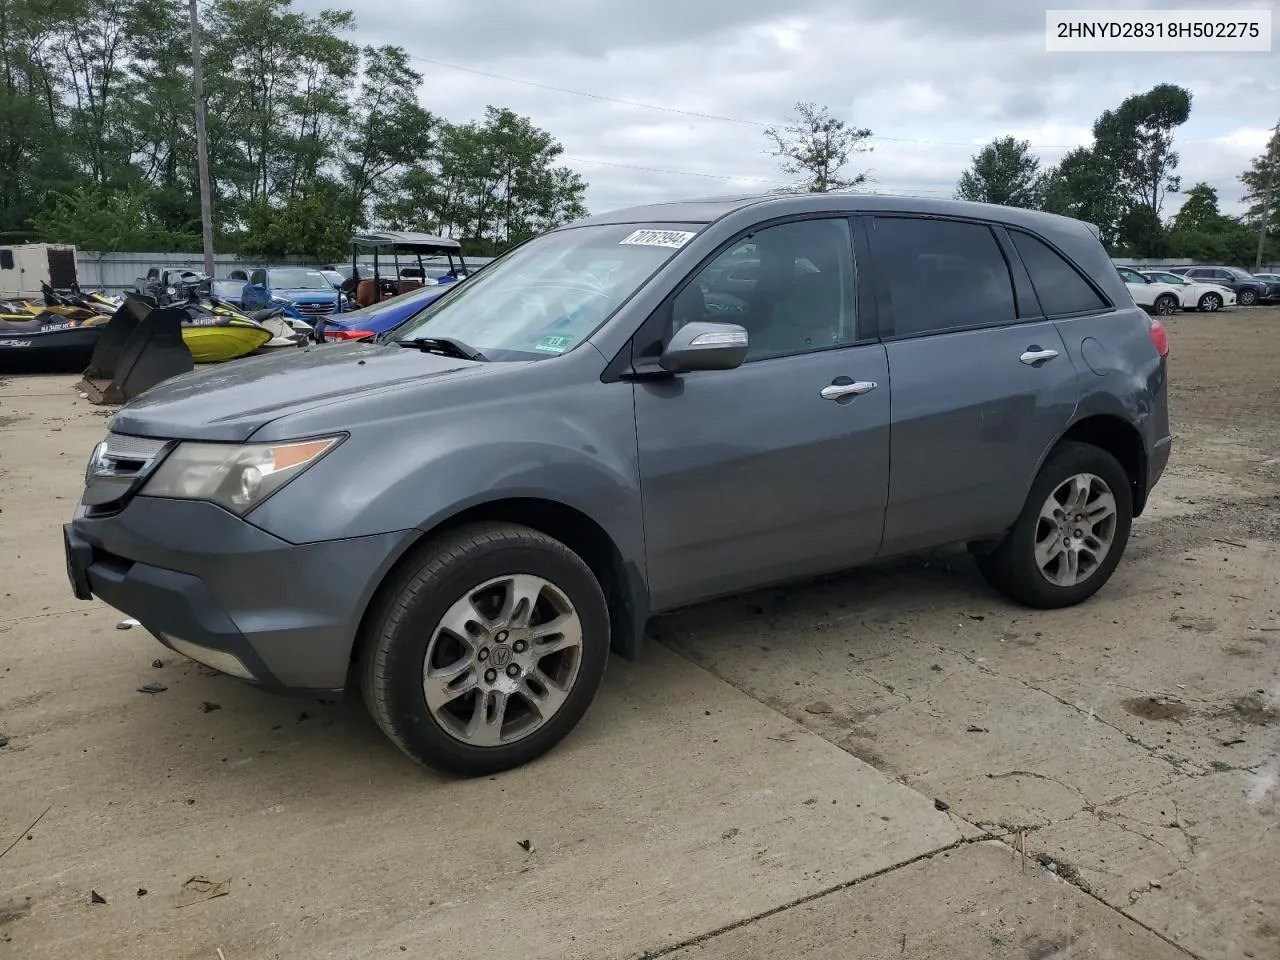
(1160, 298)
(1195, 294)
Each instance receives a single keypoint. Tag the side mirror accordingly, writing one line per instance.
(703, 345)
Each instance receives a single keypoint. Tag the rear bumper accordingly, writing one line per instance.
(248, 604)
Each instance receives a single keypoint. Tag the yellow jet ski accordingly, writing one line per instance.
(215, 333)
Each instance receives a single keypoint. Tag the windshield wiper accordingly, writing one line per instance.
(449, 346)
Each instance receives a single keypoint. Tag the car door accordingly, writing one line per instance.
(982, 381)
(777, 469)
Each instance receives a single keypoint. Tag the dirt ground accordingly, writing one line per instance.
(890, 763)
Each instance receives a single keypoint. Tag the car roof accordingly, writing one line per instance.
(709, 209)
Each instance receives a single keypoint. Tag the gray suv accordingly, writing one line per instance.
(640, 411)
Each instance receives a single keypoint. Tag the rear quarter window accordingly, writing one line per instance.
(1059, 285)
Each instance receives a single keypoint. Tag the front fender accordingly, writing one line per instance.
(574, 445)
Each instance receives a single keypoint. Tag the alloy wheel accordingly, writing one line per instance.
(1076, 529)
(502, 660)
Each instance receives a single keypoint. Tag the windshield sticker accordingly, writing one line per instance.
(675, 239)
(553, 344)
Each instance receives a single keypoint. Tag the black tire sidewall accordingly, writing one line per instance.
(1012, 567)
(1247, 298)
(1166, 299)
(1210, 298)
(406, 633)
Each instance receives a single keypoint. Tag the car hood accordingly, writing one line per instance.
(231, 401)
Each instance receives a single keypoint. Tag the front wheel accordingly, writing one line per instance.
(1071, 533)
(486, 650)
(1166, 305)
(1247, 297)
(1211, 303)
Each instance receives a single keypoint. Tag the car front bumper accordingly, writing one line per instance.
(230, 595)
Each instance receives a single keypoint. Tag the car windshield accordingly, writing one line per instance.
(300, 280)
(1169, 278)
(547, 296)
(227, 289)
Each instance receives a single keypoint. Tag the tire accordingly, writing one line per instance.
(405, 628)
(1210, 303)
(1013, 568)
(1247, 297)
(1166, 305)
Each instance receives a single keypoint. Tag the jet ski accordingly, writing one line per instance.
(47, 342)
(214, 330)
(285, 331)
(217, 335)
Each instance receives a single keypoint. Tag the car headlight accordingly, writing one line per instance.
(235, 476)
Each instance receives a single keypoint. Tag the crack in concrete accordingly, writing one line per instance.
(1178, 764)
(985, 835)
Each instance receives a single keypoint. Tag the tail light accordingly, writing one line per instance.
(1160, 337)
(333, 335)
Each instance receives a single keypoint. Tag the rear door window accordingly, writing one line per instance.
(1059, 286)
(941, 275)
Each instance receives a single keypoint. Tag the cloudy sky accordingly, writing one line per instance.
(933, 80)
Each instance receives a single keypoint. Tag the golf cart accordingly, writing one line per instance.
(365, 290)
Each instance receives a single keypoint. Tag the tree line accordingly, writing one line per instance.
(1120, 182)
(311, 137)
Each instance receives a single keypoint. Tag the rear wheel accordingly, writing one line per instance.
(1247, 297)
(1166, 305)
(1071, 533)
(1210, 303)
(487, 650)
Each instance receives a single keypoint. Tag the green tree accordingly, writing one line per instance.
(33, 144)
(1082, 186)
(1005, 171)
(392, 134)
(1262, 194)
(816, 147)
(107, 219)
(1137, 140)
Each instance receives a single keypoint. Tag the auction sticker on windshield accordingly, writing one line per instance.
(553, 344)
(659, 238)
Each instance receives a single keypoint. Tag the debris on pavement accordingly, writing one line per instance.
(142, 891)
(941, 805)
(4, 740)
(198, 889)
(819, 707)
(96, 897)
(525, 845)
(974, 728)
(208, 707)
(128, 624)
(152, 688)
(157, 664)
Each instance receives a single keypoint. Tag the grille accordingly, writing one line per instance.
(315, 309)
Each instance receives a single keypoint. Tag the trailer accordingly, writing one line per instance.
(26, 268)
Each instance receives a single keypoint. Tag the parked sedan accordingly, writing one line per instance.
(1192, 294)
(1159, 298)
(1249, 288)
(488, 502)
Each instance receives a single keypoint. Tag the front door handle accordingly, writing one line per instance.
(856, 389)
(1034, 355)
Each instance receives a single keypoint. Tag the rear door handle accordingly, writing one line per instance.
(1034, 355)
(855, 389)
